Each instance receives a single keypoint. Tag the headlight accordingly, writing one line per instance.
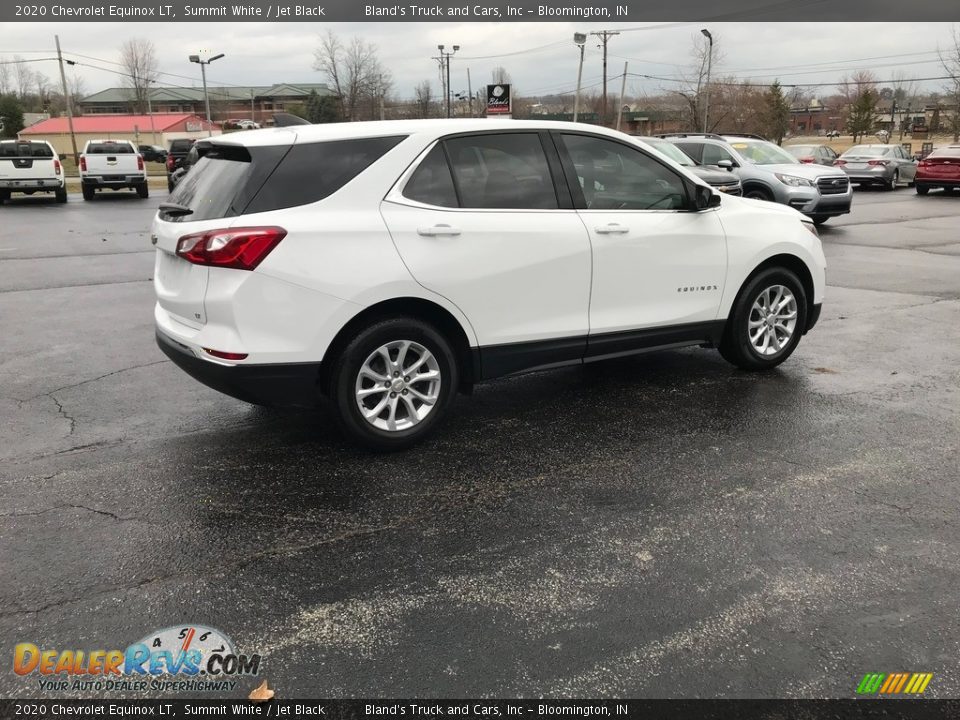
(794, 181)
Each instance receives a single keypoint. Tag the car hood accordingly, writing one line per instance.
(810, 172)
(714, 177)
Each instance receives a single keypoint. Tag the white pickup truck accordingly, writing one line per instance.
(113, 164)
(30, 166)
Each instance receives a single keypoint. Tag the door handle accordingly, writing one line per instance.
(611, 228)
(438, 230)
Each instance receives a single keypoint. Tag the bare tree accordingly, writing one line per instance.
(423, 94)
(4, 76)
(355, 74)
(139, 60)
(500, 76)
(694, 83)
(22, 77)
(950, 59)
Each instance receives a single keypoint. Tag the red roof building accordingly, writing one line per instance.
(156, 129)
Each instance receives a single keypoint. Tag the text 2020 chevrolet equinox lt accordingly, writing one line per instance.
(387, 265)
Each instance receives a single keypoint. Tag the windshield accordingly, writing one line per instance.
(760, 152)
(672, 152)
(868, 151)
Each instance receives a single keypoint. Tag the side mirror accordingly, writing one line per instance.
(704, 197)
(728, 164)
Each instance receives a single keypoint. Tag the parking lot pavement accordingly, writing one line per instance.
(656, 526)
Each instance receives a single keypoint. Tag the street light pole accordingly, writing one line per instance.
(581, 40)
(203, 72)
(706, 105)
(445, 59)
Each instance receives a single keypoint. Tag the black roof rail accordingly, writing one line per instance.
(753, 136)
(712, 136)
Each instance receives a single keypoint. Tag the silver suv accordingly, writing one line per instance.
(768, 172)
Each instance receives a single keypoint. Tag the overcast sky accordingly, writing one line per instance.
(259, 53)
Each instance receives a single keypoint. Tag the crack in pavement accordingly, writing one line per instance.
(73, 420)
(99, 377)
(70, 506)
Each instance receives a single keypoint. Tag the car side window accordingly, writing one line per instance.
(432, 183)
(502, 171)
(614, 176)
(694, 150)
(712, 154)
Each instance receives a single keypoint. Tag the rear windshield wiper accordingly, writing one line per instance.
(175, 210)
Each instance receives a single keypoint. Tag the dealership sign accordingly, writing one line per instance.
(498, 99)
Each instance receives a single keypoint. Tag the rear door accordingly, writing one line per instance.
(215, 191)
(484, 221)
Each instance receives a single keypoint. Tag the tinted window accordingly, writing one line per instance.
(502, 171)
(617, 177)
(431, 182)
(180, 146)
(109, 149)
(25, 149)
(312, 171)
(712, 154)
(230, 180)
(694, 150)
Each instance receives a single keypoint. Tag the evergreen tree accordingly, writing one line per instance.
(11, 115)
(776, 113)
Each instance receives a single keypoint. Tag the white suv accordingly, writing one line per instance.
(387, 265)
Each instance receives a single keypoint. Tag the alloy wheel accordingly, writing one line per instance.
(773, 320)
(398, 385)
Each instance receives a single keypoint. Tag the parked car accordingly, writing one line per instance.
(388, 265)
(188, 162)
(246, 124)
(28, 167)
(813, 154)
(153, 153)
(939, 169)
(113, 165)
(833, 133)
(175, 154)
(885, 165)
(722, 180)
(768, 172)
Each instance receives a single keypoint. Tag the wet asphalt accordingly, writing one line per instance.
(661, 526)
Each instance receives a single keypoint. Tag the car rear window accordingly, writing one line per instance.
(945, 152)
(233, 180)
(868, 151)
(182, 145)
(109, 148)
(25, 149)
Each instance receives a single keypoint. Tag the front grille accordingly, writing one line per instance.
(729, 188)
(833, 185)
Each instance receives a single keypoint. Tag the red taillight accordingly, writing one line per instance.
(56, 167)
(924, 163)
(840, 162)
(170, 163)
(805, 159)
(238, 248)
(878, 162)
(83, 164)
(226, 355)
(139, 162)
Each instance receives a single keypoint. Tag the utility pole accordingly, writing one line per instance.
(706, 108)
(470, 92)
(580, 40)
(445, 62)
(623, 89)
(68, 101)
(604, 36)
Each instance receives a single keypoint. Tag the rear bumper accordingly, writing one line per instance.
(280, 385)
(113, 180)
(38, 184)
(938, 182)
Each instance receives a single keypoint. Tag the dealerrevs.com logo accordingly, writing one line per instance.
(185, 658)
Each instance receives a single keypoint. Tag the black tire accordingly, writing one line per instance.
(758, 193)
(819, 219)
(170, 185)
(736, 346)
(4, 196)
(61, 195)
(921, 189)
(346, 370)
(143, 190)
(894, 181)
(88, 192)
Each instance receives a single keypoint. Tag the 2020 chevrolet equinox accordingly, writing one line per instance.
(387, 265)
